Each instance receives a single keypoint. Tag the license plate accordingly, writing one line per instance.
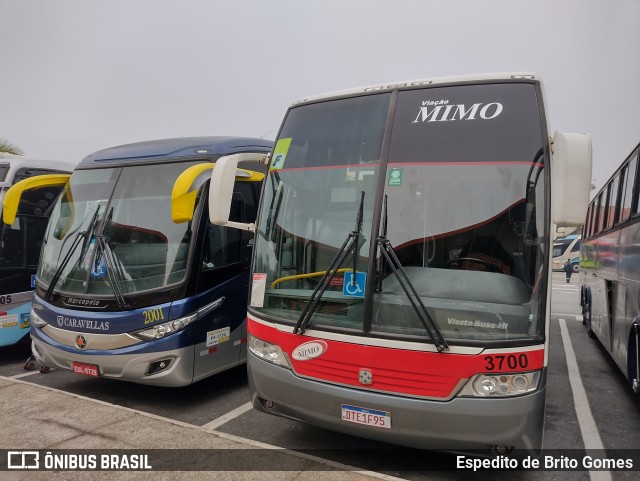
(86, 369)
(368, 417)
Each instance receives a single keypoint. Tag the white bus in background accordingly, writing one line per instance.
(20, 241)
(567, 248)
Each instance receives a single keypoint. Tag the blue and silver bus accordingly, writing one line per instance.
(133, 281)
(21, 239)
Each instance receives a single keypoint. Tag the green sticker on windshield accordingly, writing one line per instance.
(280, 154)
(395, 177)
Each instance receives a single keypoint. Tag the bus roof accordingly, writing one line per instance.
(180, 147)
(419, 83)
(19, 161)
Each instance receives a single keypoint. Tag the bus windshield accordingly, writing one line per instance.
(464, 183)
(129, 208)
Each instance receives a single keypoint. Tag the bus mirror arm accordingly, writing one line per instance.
(221, 189)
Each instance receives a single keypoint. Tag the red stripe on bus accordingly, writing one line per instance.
(415, 373)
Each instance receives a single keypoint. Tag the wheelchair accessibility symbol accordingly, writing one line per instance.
(98, 271)
(354, 290)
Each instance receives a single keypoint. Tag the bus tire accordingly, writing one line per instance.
(45, 369)
(30, 365)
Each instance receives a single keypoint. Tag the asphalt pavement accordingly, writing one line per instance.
(56, 424)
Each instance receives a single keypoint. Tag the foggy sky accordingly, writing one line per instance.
(81, 75)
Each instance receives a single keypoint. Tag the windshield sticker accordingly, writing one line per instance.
(354, 288)
(99, 268)
(461, 319)
(258, 288)
(218, 336)
(441, 111)
(395, 177)
(280, 154)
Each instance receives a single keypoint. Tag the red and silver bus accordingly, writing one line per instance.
(402, 264)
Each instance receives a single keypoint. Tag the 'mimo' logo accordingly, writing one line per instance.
(440, 111)
(309, 350)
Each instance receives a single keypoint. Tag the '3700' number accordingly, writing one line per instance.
(512, 361)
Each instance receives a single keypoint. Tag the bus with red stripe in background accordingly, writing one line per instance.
(401, 274)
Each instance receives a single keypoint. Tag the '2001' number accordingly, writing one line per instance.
(152, 315)
(512, 361)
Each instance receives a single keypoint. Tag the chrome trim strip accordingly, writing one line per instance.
(100, 342)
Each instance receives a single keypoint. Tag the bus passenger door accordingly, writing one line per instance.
(221, 275)
(224, 266)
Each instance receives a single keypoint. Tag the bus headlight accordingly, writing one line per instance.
(36, 320)
(268, 352)
(501, 385)
(165, 329)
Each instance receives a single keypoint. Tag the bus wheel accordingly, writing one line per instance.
(45, 369)
(30, 365)
(586, 314)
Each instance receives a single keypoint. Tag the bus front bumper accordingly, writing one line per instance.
(460, 424)
(127, 367)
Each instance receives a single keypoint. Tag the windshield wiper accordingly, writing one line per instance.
(351, 242)
(389, 254)
(63, 264)
(107, 255)
(76, 242)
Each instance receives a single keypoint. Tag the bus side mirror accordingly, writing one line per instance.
(570, 178)
(223, 178)
(14, 194)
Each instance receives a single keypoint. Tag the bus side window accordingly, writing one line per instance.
(221, 247)
(221, 257)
